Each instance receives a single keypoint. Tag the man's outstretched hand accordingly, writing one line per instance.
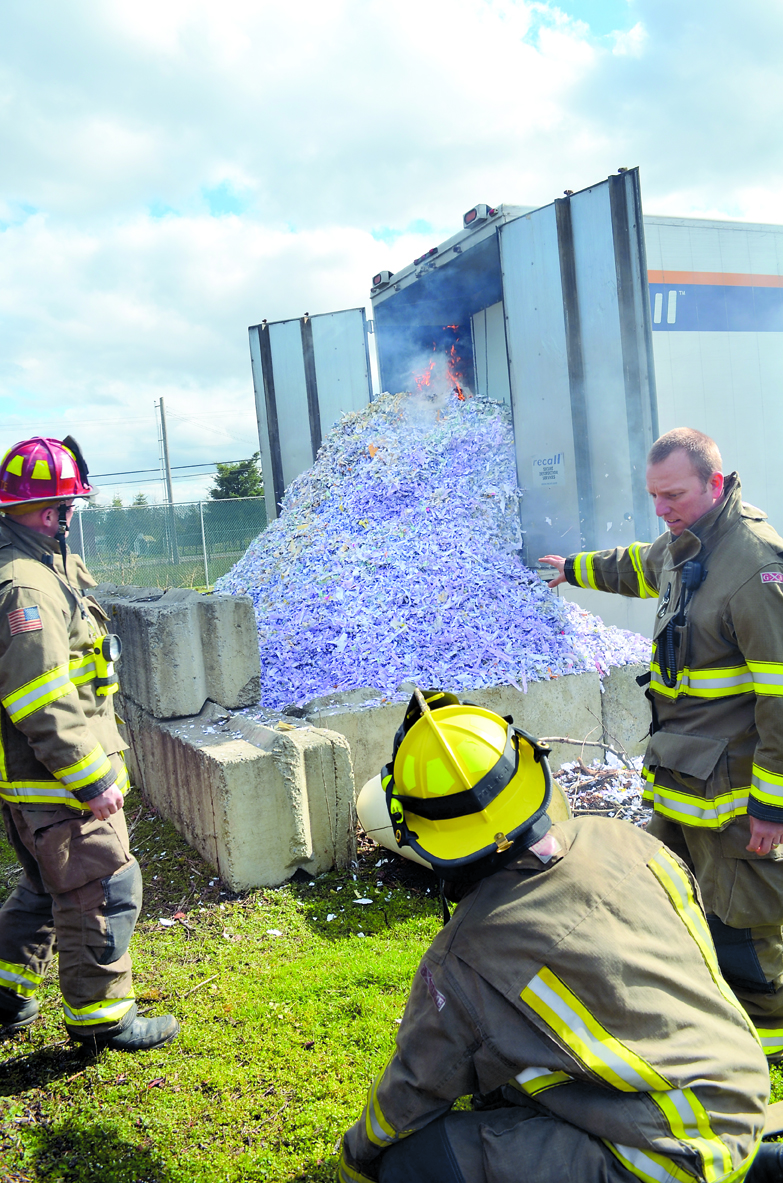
(555, 561)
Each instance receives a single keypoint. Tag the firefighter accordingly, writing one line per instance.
(62, 772)
(575, 992)
(714, 762)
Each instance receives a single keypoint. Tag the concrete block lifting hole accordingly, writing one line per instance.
(181, 648)
(255, 802)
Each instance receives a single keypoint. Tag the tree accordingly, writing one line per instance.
(116, 502)
(238, 480)
(140, 499)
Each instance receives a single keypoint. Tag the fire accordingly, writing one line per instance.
(443, 370)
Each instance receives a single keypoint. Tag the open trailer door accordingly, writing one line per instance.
(578, 335)
(306, 374)
(548, 310)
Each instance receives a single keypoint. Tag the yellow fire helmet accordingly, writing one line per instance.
(464, 783)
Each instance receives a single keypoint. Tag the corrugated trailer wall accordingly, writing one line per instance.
(716, 293)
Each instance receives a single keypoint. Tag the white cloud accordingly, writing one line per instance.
(125, 122)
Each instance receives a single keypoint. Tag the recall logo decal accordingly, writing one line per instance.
(772, 576)
(435, 993)
(24, 620)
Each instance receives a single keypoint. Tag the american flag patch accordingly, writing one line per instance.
(24, 620)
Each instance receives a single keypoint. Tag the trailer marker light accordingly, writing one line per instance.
(427, 255)
(380, 281)
(479, 213)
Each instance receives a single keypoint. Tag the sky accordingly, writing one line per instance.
(176, 170)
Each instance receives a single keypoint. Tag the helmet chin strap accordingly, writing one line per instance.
(62, 533)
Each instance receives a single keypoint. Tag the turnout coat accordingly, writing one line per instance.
(716, 748)
(585, 977)
(57, 722)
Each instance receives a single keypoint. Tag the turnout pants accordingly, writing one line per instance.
(518, 1144)
(743, 899)
(79, 895)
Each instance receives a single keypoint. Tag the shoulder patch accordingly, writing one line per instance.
(24, 620)
(772, 576)
(435, 993)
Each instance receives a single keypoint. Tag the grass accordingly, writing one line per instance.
(281, 1034)
(286, 1016)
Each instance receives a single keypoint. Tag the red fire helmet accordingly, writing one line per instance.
(41, 469)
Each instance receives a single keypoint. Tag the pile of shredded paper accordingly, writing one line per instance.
(396, 558)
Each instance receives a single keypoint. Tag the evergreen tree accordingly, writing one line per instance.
(238, 480)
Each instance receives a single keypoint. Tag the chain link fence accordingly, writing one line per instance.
(187, 545)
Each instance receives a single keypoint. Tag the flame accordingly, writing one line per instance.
(444, 369)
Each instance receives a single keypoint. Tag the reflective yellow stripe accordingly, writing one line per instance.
(18, 979)
(583, 569)
(679, 889)
(584, 1036)
(645, 589)
(767, 677)
(85, 771)
(767, 786)
(771, 1039)
(83, 669)
(346, 1174)
(377, 1128)
(721, 682)
(691, 809)
(38, 792)
(38, 693)
(689, 1121)
(109, 1011)
(537, 1080)
(648, 1164)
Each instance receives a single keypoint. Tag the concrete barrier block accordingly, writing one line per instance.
(181, 648)
(626, 710)
(255, 802)
(575, 706)
(568, 706)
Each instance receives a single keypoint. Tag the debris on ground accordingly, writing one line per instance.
(396, 557)
(609, 789)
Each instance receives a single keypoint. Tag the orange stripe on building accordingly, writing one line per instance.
(724, 279)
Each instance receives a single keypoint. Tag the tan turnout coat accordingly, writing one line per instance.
(717, 748)
(56, 731)
(589, 981)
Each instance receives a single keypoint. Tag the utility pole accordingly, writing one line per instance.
(166, 465)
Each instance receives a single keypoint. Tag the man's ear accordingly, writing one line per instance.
(716, 484)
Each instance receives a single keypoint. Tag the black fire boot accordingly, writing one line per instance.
(16, 1012)
(143, 1034)
(135, 1035)
(767, 1166)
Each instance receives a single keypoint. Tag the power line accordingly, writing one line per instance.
(174, 467)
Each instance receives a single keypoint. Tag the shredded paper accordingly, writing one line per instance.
(396, 558)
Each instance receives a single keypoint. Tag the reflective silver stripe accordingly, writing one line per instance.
(38, 794)
(84, 773)
(18, 708)
(712, 811)
(27, 982)
(645, 1166)
(102, 1012)
(771, 1041)
(83, 671)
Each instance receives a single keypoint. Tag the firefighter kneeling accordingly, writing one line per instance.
(575, 992)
